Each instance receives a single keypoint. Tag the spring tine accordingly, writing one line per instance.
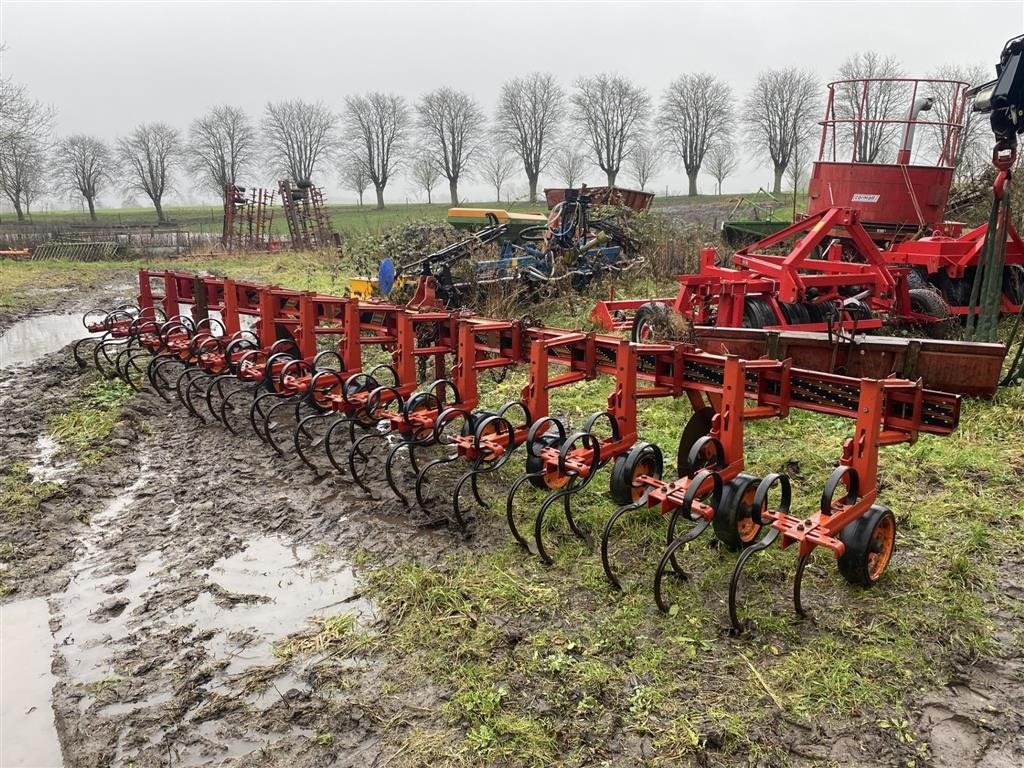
(269, 424)
(352, 458)
(389, 469)
(226, 405)
(327, 442)
(421, 477)
(301, 430)
(216, 382)
(194, 385)
(798, 581)
(131, 365)
(606, 533)
(509, 513)
(768, 539)
(538, 526)
(76, 351)
(669, 557)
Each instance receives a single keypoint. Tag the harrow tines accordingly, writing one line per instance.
(697, 488)
(488, 459)
(446, 441)
(759, 509)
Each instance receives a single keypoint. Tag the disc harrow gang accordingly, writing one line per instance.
(341, 384)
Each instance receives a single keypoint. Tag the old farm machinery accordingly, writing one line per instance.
(873, 247)
(334, 379)
(534, 254)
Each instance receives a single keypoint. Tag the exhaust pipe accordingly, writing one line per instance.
(921, 104)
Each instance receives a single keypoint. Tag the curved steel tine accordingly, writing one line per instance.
(269, 424)
(669, 557)
(226, 405)
(257, 407)
(768, 539)
(606, 533)
(183, 376)
(153, 372)
(470, 475)
(216, 382)
(132, 365)
(389, 472)
(76, 351)
(195, 383)
(509, 504)
(301, 430)
(538, 526)
(581, 532)
(797, 583)
(352, 458)
(421, 476)
(344, 421)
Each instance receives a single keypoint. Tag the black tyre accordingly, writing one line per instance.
(645, 318)
(642, 459)
(733, 521)
(869, 541)
(534, 464)
(697, 427)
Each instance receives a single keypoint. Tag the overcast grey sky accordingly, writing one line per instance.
(108, 66)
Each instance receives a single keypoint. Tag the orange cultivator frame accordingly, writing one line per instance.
(283, 351)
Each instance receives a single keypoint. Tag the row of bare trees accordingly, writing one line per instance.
(605, 121)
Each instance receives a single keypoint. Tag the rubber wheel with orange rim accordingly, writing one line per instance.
(733, 521)
(869, 541)
(642, 459)
(549, 480)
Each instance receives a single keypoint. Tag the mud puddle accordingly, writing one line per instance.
(25, 649)
(261, 594)
(38, 335)
(47, 466)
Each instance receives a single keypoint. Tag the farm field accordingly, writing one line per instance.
(210, 601)
(354, 220)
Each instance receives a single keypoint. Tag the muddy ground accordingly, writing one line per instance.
(153, 585)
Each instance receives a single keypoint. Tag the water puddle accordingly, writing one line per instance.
(25, 647)
(33, 337)
(263, 593)
(98, 601)
(46, 467)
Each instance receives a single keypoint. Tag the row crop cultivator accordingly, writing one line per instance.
(332, 378)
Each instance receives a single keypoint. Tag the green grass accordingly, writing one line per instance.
(349, 220)
(547, 665)
(83, 429)
(20, 497)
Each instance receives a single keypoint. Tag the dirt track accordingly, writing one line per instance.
(169, 569)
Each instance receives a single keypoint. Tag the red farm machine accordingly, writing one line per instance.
(873, 247)
(353, 387)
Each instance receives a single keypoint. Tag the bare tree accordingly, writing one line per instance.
(452, 125)
(376, 128)
(720, 162)
(25, 130)
(84, 164)
(496, 168)
(354, 176)
(426, 175)
(644, 161)
(611, 112)
(863, 109)
(696, 113)
(149, 155)
(974, 148)
(779, 104)
(569, 166)
(221, 146)
(299, 135)
(529, 112)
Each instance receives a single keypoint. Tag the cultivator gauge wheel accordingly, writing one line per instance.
(733, 521)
